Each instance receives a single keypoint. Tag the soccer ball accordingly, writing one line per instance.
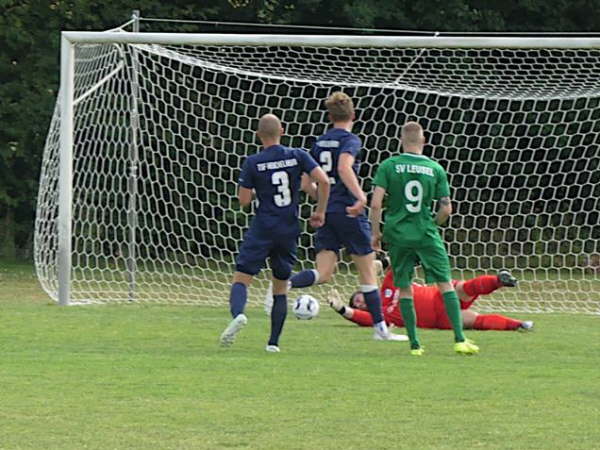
(306, 307)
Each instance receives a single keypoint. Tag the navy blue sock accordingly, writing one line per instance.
(237, 298)
(304, 279)
(374, 305)
(278, 314)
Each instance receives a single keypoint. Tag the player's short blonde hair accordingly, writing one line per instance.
(340, 107)
(412, 133)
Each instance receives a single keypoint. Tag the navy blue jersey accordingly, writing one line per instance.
(326, 151)
(275, 175)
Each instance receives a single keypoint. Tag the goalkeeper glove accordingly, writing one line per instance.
(336, 302)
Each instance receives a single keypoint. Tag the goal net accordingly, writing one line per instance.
(161, 128)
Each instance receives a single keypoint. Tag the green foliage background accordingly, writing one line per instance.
(29, 59)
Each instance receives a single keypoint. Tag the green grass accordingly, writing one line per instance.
(132, 376)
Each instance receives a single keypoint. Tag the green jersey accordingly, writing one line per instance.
(411, 182)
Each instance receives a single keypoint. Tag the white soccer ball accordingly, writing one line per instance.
(306, 307)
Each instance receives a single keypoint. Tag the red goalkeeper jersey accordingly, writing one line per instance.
(429, 306)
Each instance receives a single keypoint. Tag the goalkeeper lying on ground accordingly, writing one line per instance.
(429, 305)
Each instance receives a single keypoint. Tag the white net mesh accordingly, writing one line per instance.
(517, 130)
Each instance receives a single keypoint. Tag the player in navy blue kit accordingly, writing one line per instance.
(346, 224)
(275, 175)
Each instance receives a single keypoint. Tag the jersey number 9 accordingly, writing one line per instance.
(413, 191)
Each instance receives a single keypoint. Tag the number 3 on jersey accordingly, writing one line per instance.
(282, 181)
(413, 191)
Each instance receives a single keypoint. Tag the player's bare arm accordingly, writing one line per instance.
(318, 176)
(444, 210)
(244, 196)
(375, 217)
(309, 186)
(348, 177)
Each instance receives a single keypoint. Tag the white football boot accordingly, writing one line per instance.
(390, 337)
(234, 327)
(272, 349)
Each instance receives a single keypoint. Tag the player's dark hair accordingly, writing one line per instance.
(352, 297)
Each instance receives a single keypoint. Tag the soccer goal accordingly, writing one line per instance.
(137, 199)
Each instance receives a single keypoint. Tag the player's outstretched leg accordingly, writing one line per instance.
(496, 322)
(469, 290)
(481, 285)
(526, 325)
(326, 261)
(238, 297)
(306, 278)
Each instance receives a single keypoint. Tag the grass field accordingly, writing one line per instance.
(153, 377)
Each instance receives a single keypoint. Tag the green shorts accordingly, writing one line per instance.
(430, 252)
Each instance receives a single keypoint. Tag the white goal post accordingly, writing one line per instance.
(137, 199)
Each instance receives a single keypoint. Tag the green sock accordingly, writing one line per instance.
(409, 317)
(453, 311)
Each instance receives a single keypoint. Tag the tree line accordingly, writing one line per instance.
(30, 42)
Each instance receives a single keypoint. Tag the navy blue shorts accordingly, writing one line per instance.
(260, 245)
(352, 233)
